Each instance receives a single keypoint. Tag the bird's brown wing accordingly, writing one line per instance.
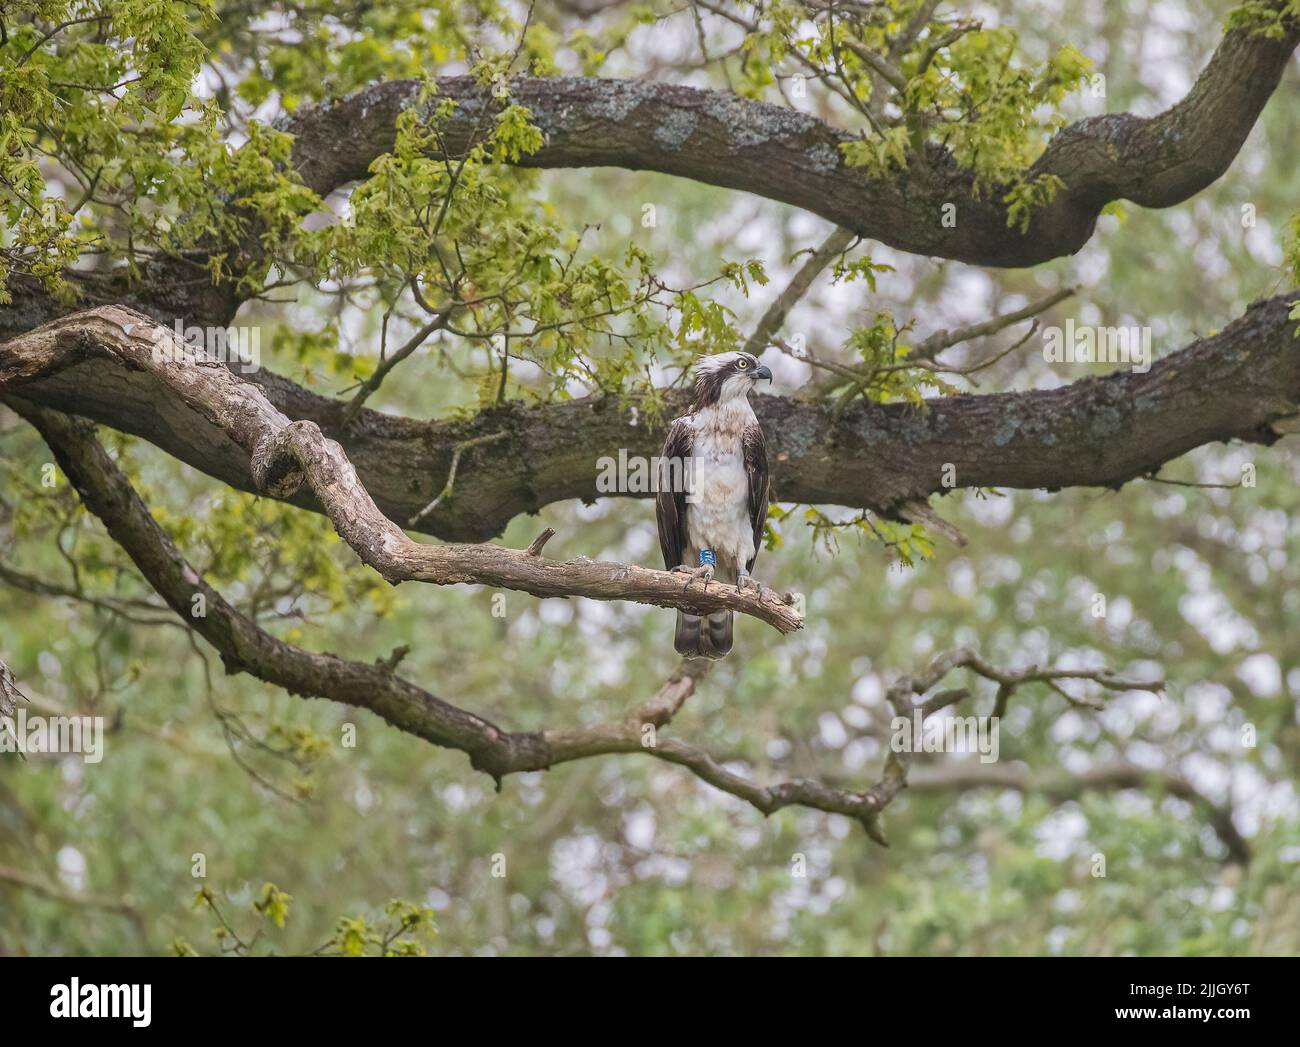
(754, 448)
(670, 497)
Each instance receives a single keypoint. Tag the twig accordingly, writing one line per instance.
(921, 513)
(1062, 788)
(46, 889)
(447, 488)
(55, 31)
(941, 340)
(836, 244)
(536, 545)
(372, 383)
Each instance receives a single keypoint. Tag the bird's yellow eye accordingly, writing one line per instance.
(741, 364)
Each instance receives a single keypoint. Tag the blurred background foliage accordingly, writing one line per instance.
(625, 854)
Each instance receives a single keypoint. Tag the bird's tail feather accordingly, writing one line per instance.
(708, 637)
(717, 631)
(687, 638)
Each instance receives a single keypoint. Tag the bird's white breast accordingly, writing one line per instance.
(717, 510)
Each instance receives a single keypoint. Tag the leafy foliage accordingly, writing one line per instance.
(137, 131)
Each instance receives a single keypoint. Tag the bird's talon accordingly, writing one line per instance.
(704, 572)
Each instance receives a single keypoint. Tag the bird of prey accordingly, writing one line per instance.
(711, 500)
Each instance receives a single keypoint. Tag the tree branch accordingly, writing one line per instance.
(285, 455)
(941, 340)
(246, 647)
(46, 889)
(1242, 383)
(785, 155)
(123, 609)
(386, 365)
(774, 317)
(1060, 788)
(721, 139)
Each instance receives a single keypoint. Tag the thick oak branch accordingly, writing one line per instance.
(771, 151)
(1242, 383)
(783, 154)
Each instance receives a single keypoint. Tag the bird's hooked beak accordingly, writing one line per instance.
(761, 372)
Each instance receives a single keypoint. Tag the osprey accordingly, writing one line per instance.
(711, 501)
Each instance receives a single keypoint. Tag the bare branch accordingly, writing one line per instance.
(941, 340)
(537, 544)
(1060, 788)
(386, 365)
(47, 889)
(834, 245)
(246, 647)
(124, 609)
(286, 455)
(449, 486)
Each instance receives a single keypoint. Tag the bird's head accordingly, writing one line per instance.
(726, 376)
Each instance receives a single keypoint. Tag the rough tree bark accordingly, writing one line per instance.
(1242, 383)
